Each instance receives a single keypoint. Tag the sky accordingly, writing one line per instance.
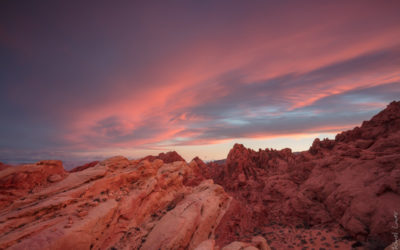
(84, 80)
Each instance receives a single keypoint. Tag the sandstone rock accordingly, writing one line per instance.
(54, 178)
(258, 243)
(168, 157)
(115, 204)
(83, 167)
(30, 175)
(206, 245)
(196, 176)
(17, 181)
(351, 182)
(192, 221)
(3, 166)
(199, 162)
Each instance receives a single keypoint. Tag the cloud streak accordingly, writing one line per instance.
(82, 78)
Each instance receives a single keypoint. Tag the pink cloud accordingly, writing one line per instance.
(190, 76)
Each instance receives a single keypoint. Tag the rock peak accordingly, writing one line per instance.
(391, 112)
(199, 161)
(381, 125)
(168, 157)
(239, 146)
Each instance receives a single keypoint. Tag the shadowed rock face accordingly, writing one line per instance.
(352, 182)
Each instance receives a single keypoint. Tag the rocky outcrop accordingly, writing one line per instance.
(115, 204)
(168, 157)
(83, 167)
(17, 181)
(197, 174)
(351, 183)
(3, 166)
(257, 242)
(385, 123)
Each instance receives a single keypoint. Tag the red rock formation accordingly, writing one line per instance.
(197, 174)
(3, 166)
(168, 157)
(114, 205)
(17, 181)
(199, 162)
(83, 167)
(352, 182)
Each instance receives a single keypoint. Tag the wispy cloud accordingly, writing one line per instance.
(144, 76)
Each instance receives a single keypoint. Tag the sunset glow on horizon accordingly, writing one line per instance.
(88, 81)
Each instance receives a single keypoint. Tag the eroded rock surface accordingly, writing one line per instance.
(168, 157)
(84, 166)
(117, 203)
(18, 181)
(351, 184)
